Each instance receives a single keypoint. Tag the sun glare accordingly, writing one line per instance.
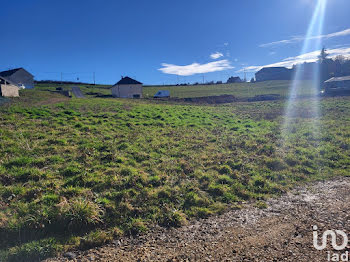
(313, 112)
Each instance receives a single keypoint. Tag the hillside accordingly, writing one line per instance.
(241, 90)
(78, 173)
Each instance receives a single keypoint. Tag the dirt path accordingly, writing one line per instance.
(283, 232)
(77, 92)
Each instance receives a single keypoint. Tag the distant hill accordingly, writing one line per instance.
(61, 82)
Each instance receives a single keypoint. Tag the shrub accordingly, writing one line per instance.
(200, 212)
(79, 212)
(261, 204)
(136, 226)
(172, 219)
(95, 239)
(216, 190)
(192, 199)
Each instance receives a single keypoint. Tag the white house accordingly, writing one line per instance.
(127, 88)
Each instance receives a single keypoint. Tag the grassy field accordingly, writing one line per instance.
(241, 90)
(3, 100)
(76, 173)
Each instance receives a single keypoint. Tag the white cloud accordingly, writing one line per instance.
(308, 57)
(216, 55)
(196, 68)
(296, 39)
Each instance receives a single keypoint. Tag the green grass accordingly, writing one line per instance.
(80, 172)
(3, 100)
(241, 90)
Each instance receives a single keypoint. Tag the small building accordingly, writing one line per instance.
(234, 79)
(337, 85)
(162, 94)
(273, 73)
(20, 77)
(127, 88)
(8, 89)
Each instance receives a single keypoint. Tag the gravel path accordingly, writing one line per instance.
(282, 232)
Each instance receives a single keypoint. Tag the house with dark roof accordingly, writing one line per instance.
(127, 88)
(234, 79)
(273, 73)
(20, 77)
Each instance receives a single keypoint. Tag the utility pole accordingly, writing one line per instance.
(203, 79)
(61, 77)
(94, 78)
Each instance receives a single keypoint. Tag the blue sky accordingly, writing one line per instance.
(162, 41)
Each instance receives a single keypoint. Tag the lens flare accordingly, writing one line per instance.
(312, 104)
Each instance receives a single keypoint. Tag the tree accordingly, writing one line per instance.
(323, 56)
(252, 80)
(325, 66)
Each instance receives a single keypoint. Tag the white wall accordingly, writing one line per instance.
(127, 91)
(9, 90)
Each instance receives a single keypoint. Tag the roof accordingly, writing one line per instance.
(338, 79)
(8, 81)
(274, 69)
(128, 81)
(12, 71)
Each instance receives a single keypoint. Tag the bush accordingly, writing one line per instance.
(200, 212)
(217, 190)
(261, 205)
(95, 239)
(172, 219)
(79, 212)
(136, 226)
(192, 199)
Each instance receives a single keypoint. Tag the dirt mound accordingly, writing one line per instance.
(204, 99)
(269, 97)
